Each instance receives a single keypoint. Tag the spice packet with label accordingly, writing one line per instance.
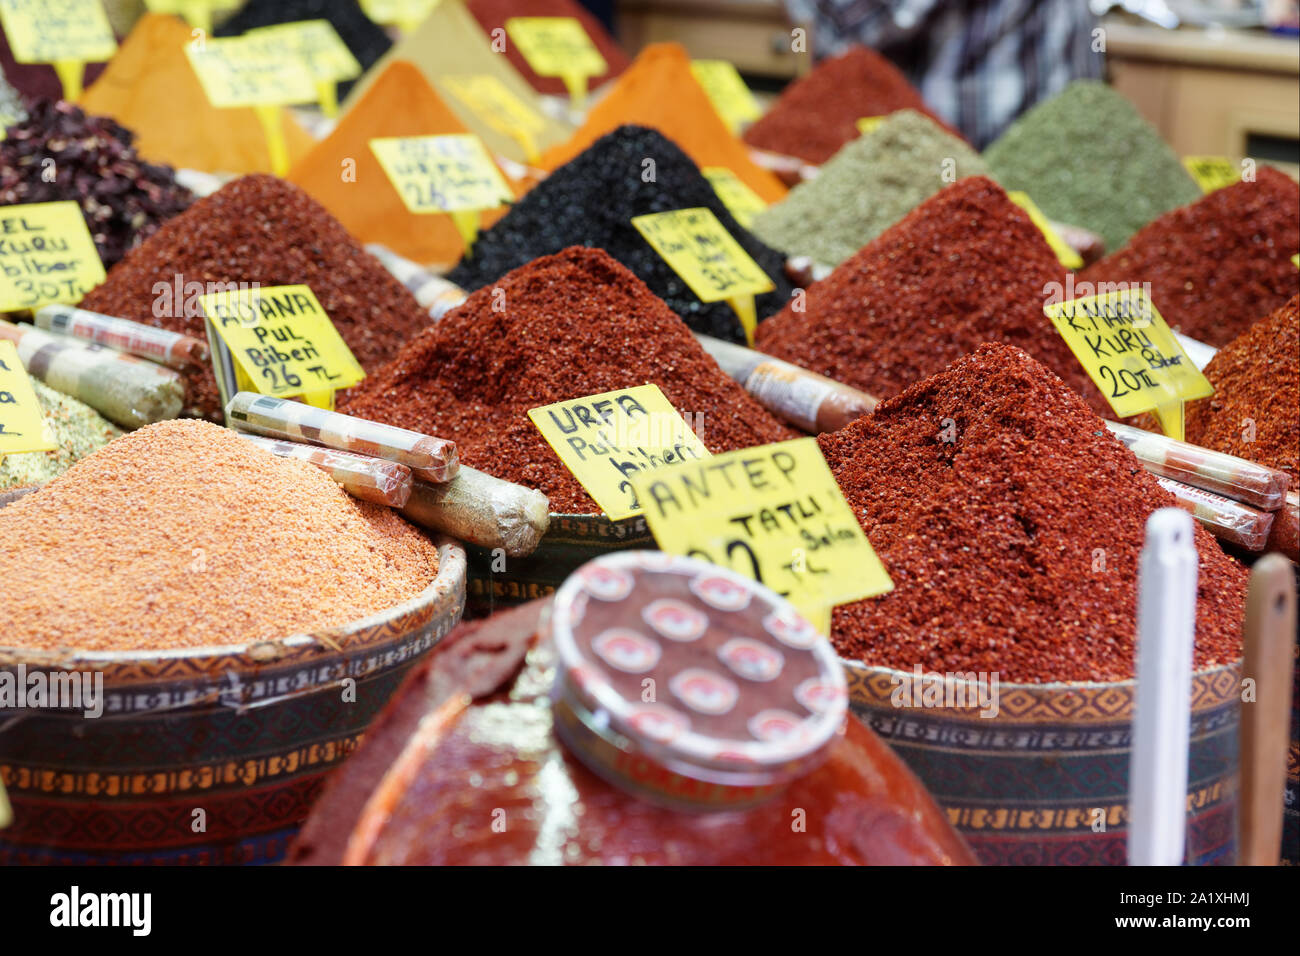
(1227, 520)
(370, 479)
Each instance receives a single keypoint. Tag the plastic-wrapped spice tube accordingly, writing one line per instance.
(370, 479)
(432, 292)
(803, 398)
(169, 348)
(124, 389)
(432, 459)
(1226, 475)
(1227, 520)
(1285, 536)
(482, 510)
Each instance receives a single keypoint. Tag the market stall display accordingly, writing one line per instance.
(75, 428)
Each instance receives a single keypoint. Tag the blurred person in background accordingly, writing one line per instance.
(978, 63)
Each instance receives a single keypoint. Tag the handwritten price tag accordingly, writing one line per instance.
(741, 201)
(404, 14)
(197, 13)
(67, 33)
(1065, 253)
(277, 341)
(251, 70)
(1212, 172)
(1122, 341)
(605, 439)
(772, 513)
(708, 259)
(318, 44)
(727, 92)
(558, 46)
(46, 255)
(493, 102)
(22, 426)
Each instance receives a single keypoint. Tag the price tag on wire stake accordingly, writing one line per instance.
(22, 426)
(741, 201)
(1123, 343)
(1065, 253)
(605, 439)
(496, 105)
(558, 46)
(328, 59)
(277, 341)
(65, 33)
(772, 513)
(1212, 172)
(708, 259)
(727, 92)
(46, 256)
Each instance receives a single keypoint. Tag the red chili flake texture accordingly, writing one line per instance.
(965, 267)
(562, 327)
(264, 230)
(1014, 546)
(817, 114)
(493, 14)
(1218, 264)
(1254, 412)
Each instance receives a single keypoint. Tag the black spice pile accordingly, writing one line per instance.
(123, 197)
(590, 201)
(366, 39)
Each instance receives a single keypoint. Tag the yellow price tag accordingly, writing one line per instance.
(558, 46)
(251, 70)
(868, 124)
(197, 13)
(1065, 253)
(605, 439)
(328, 59)
(281, 341)
(22, 426)
(707, 258)
(727, 92)
(406, 15)
(1212, 172)
(773, 513)
(741, 201)
(493, 102)
(46, 255)
(67, 33)
(1122, 341)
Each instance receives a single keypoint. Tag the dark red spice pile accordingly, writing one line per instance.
(493, 14)
(567, 325)
(1014, 547)
(1218, 264)
(1256, 380)
(264, 230)
(963, 268)
(817, 114)
(93, 163)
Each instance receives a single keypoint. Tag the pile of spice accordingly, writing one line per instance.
(399, 103)
(591, 202)
(1254, 412)
(817, 114)
(365, 38)
(493, 14)
(560, 328)
(660, 91)
(75, 428)
(12, 108)
(866, 187)
(1013, 536)
(258, 229)
(151, 88)
(450, 43)
(183, 534)
(123, 197)
(1088, 158)
(1217, 265)
(965, 267)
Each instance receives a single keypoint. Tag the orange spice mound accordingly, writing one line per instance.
(659, 90)
(183, 534)
(400, 102)
(151, 88)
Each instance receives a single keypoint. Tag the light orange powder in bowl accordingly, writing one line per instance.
(182, 534)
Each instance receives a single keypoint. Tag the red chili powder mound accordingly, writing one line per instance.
(259, 229)
(1218, 264)
(493, 14)
(563, 326)
(1254, 412)
(1010, 521)
(817, 114)
(965, 267)
(183, 534)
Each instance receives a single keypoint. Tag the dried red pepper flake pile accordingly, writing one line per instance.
(1013, 547)
(1218, 264)
(1254, 412)
(965, 267)
(819, 113)
(259, 229)
(564, 326)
